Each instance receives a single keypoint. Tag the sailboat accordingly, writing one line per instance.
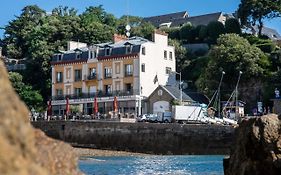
(221, 116)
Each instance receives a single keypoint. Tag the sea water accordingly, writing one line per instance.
(152, 165)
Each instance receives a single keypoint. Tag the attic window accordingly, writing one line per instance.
(128, 49)
(274, 36)
(78, 55)
(59, 57)
(107, 51)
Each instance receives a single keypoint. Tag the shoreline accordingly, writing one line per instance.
(86, 152)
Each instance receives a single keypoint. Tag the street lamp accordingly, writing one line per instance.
(179, 73)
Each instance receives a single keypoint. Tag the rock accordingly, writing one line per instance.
(257, 149)
(24, 150)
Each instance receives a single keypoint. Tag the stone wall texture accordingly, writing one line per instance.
(257, 149)
(23, 149)
(152, 138)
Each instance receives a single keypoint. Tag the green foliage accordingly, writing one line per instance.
(187, 33)
(181, 54)
(252, 11)
(215, 29)
(174, 33)
(232, 26)
(32, 98)
(266, 45)
(203, 33)
(233, 54)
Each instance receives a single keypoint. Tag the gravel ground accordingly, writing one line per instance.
(99, 152)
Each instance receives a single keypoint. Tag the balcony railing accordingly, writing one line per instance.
(108, 75)
(127, 74)
(92, 77)
(96, 94)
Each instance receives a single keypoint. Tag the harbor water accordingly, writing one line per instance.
(153, 165)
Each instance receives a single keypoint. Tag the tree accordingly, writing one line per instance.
(233, 54)
(255, 11)
(187, 33)
(232, 26)
(181, 55)
(32, 98)
(215, 29)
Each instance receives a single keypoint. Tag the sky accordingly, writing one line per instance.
(11, 8)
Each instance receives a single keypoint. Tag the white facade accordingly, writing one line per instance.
(155, 63)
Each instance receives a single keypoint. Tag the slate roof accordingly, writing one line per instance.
(271, 33)
(198, 97)
(157, 20)
(175, 92)
(117, 49)
(197, 20)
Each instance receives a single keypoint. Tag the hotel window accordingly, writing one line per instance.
(107, 89)
(171, 55)
(128, 87)
(59, 77)
(143, 67)
(128, 49)
(117, 85)
(92, 73)
(93, 54)
(59, 92)
(78, 75)
(78, 55)
(68, 73)
(168, 70)
(59, 57)
(165, 54)
(68, 90)
(117, 68)
(128, 70)
(107, 51)
(143, 50)
(107, 72)
(78, 91)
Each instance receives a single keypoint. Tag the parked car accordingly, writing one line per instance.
(153, 118)
(142, 118)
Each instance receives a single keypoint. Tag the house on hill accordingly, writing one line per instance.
(180, 18)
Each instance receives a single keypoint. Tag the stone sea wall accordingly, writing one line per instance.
(142, 137)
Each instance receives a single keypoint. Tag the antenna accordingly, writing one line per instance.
(128, 27)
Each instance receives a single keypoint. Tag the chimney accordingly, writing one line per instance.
(160, 37)
(116, 38)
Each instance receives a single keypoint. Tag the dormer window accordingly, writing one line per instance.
(78, 55)
(93, 54)
(107, 51)
(59, 57)
(128, 49)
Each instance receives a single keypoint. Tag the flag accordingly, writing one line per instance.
(67, 109)
(155, 80)
(49, 111)
(115, 107)
(95, 106)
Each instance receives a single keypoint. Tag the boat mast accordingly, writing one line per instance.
(236, 95)
(219, 95)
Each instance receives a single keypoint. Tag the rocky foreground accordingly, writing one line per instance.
(257, 149)
(23, 149)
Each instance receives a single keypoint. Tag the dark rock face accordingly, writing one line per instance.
(257, 150)
(23, 149)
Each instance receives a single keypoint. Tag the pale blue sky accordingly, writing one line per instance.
(143, 8)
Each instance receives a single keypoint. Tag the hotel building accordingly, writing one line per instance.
(128, 68)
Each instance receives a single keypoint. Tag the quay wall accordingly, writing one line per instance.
(154, 138)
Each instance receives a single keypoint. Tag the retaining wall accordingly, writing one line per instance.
(153, 138)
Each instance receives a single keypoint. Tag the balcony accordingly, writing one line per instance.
(97, 94)
(92, 77)
(108, 75)
(128, 74)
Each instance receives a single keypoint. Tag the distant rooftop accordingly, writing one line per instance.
(180, 18)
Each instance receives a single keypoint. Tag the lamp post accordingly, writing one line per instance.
(179, 73)
(236, 93)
